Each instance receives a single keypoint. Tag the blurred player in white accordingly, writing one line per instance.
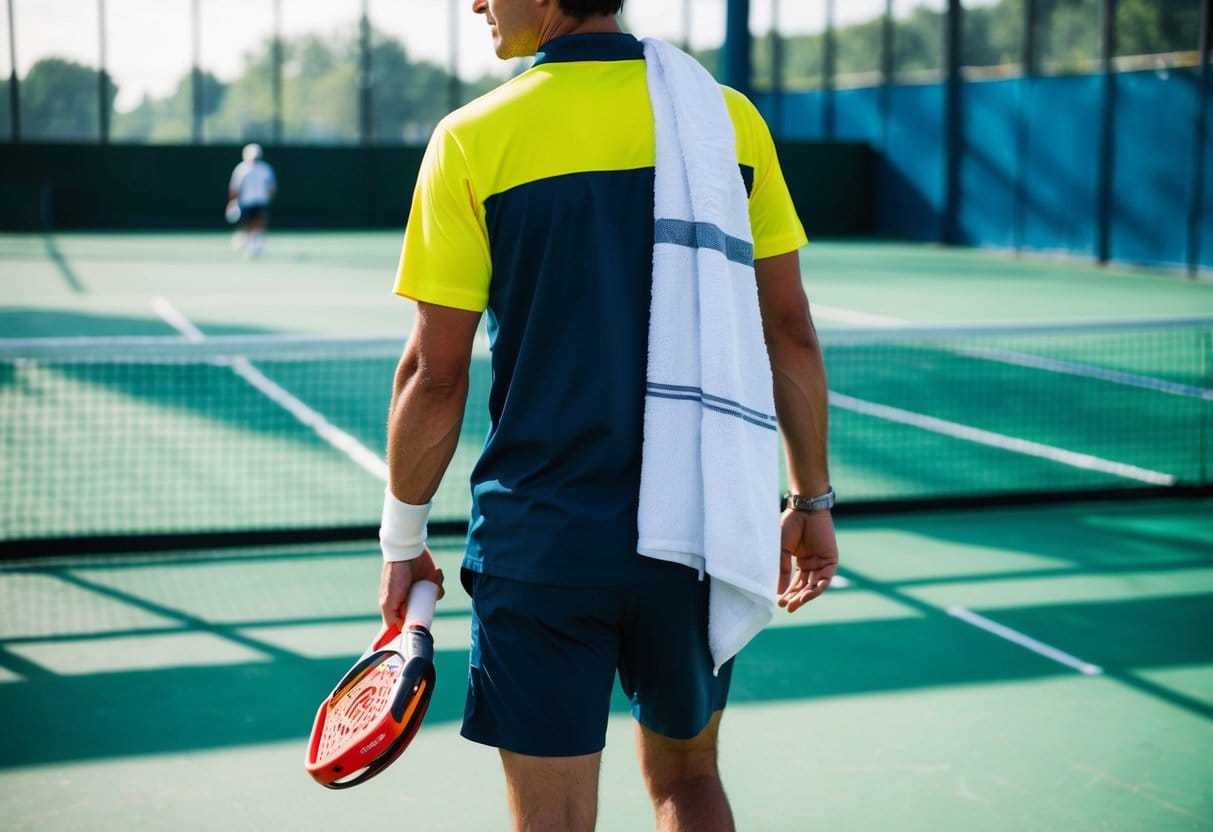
(253, 186)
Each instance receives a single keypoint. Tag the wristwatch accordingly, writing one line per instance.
(822, 502)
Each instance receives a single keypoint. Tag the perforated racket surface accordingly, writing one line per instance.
(375, 710)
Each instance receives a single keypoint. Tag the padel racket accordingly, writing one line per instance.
(231, 212)
(375, 710)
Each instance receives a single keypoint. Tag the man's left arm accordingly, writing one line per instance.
(424, 421)
(802, 407)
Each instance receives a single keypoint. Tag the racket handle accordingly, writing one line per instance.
(422, 598)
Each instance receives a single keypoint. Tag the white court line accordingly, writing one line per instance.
(173, 317)
(1023, 359)
(998, 440)
(358, 453)
(851, 316)
(1073, 368)
(1027, 642)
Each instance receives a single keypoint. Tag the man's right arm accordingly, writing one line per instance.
(426, 414)
(801, 405)
(428, 398)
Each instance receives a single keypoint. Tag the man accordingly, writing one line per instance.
(252, 186)
(535, 202)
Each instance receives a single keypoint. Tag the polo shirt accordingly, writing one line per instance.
(534, 203)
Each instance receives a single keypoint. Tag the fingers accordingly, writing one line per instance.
(785, 572)
(812, 578)
(425, 568)
(806, 587)
(395, 580)
(807, 537)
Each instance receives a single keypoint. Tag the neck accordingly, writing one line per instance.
(563, 25)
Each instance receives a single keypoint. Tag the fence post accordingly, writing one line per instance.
(736, 69)
(103, 79)
(1107, 135)
(276, 73)
(953, 132)
(1027, 61)
(828, 70)
(1199, 163)
(14, 96)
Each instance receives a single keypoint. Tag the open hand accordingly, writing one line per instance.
(808, 538)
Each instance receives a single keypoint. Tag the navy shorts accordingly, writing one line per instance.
(544, 660)
(251, 213)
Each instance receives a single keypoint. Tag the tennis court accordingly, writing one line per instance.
(1021, 663)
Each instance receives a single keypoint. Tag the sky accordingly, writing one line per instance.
(150, 43)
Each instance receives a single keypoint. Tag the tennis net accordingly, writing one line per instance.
(106, 442)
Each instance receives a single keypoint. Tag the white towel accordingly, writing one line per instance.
(710, 461)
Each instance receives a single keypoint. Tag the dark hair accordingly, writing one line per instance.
(582, 9)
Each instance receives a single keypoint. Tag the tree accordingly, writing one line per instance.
(59, 100)
(1147, 27)
(169, 119)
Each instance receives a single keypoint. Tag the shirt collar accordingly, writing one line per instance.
(593, 46)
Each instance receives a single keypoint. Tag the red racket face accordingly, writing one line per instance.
(357, 714)
(372, 715)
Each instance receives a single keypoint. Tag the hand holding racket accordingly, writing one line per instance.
(375, 710)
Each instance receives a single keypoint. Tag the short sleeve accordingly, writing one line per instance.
(773, 220)
(445, 258)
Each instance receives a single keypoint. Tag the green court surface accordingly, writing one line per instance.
(175, 691)
(183, 446)
(1034, 668)
(95, 284)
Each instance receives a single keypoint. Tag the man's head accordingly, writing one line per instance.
(251, 152)
(520, 27)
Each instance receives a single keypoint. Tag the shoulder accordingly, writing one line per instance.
(470, 140)
(742, 110)
(754, 142)
(496, 105)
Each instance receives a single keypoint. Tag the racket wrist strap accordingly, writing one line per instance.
(403, 528)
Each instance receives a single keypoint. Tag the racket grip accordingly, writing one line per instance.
(423, 596)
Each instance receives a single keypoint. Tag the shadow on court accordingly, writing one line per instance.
(175, 709)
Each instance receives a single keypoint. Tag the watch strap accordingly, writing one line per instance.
(822, 502)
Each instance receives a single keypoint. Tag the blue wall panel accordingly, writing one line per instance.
(989, 164)
(909, 198)
(857, 116)
(1062, 164)
(1206, 217)
(792, 115)
(1029, 165)
(1154, 170)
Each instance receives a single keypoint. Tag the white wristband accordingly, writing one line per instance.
(402, 531)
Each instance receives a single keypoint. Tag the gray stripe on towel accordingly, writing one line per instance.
(710, 402)
(703, 235)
